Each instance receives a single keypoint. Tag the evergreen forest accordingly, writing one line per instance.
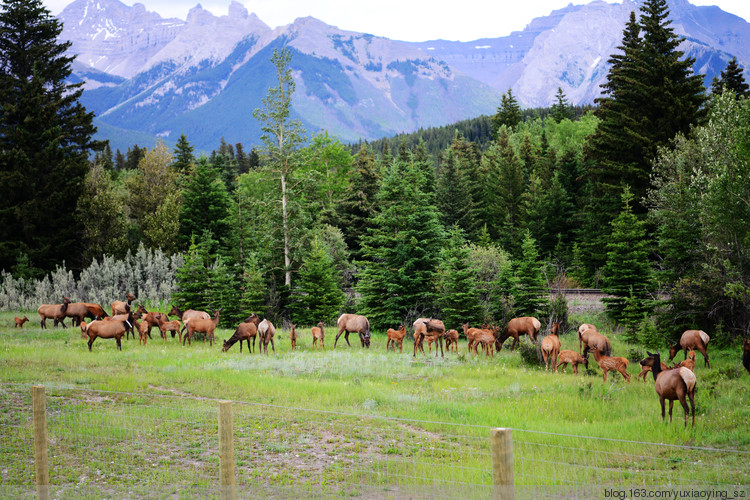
(645, 195)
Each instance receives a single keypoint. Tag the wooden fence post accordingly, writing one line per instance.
(501, 442)
(226, 451)
(39, 404)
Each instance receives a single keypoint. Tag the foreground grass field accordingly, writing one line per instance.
(503, 391)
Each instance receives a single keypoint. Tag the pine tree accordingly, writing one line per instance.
(318, 295)
(732, 80)
(183, 156)
(458, 298)
(458, 188)
(45, 138)
(205, 205)
(358, 206)
(530, 292)
(561, 108)
(627, 268)
(401, 250)
(508, 113)
(253, 287)
(192, 279)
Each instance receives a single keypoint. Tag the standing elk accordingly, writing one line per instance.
(595, 341)
(551, 348)
(471, 334)
(353, 323)
(566, 356)
(318, 334)
(672, 384)
(487, 338)
(293, 337)
(266, 331)
(113, 329)
(695, 339)
(525, 325)
(746, 355)
(396, 337)
(120, 307)
(207, 326)
(451, 339)
(151, 319)
(245, 331)
(55, 312)
(187, 315)
(613, 363)
(142, 328)
(20, 322)
(432, 328)
(583, 334)
(165, 326)
(78, 311)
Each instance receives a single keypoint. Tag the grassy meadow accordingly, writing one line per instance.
(504, 391)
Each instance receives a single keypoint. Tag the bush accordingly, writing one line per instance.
(531, 354)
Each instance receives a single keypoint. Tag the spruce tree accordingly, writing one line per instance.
(252, 287)
(627, 268)
(561, 108)
(358, 206)
(183, 156)
(458, 297)
(317, 295)
(205, 204)
(45, 139)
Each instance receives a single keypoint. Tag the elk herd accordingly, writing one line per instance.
(677, 382)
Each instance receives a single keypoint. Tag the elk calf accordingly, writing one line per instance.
(566, 356)
(614, 363)
(451, 338)
(293, 336)
(550, 350)
(396, 337)
(20, 322)
(318, 333)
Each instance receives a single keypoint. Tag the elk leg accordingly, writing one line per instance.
(91, 341)
(691, 395)
(661, 400)
(671, 403)
(272, 346)
(119, 343)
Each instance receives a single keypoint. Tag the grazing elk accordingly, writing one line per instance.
(353, 323)
(20, 322)
(245, 331)
(583, 334)
(746, 355)
(318, 334)
(395, 337)
(614, 363)
(595, 341)
(96, 310)
(120, 307)
(432, 328)
(526, 325)
(471, 334)
(113, 329)
(566, 356)
(293, 337)
(695, 339)
(672, 384)
(55, 312)
(266, 331)
(207, 326)
(551, 348)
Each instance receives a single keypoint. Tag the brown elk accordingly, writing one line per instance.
(20, 322)
(614, 363)
(672, 384)
(55, 312)
(245, 331)
(526, 325)
(487, 339)
(142, 328)
(114, 329)
(551, 348)
(293, 337)
(395, 337)
(566, 356)
(96, 310)
(645, 369)
(746, 355)
(121, 307)
(165, 326)
(353, 323)
(207, 326)
(695, 339)
(420, 328)
(266, 331)
(583, 333)
(187, 315)
(597, 341)
(451, 339)
(151, 319)
(432, 328)
(78, 311)
(472, 333)
(318, 334)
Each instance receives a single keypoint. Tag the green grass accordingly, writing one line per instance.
(162, 398)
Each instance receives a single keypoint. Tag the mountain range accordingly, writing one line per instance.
(147, 76)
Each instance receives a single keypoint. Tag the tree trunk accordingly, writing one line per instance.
(285, 226)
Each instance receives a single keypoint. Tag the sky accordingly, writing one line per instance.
(408, 20)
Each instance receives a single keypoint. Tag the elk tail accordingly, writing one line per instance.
(704, 337)
(688, 377)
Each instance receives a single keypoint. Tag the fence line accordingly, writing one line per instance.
(143, 445)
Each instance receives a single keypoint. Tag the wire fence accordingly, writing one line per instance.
(135, 445)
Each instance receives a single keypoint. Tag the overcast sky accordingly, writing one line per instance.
(410, 20)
